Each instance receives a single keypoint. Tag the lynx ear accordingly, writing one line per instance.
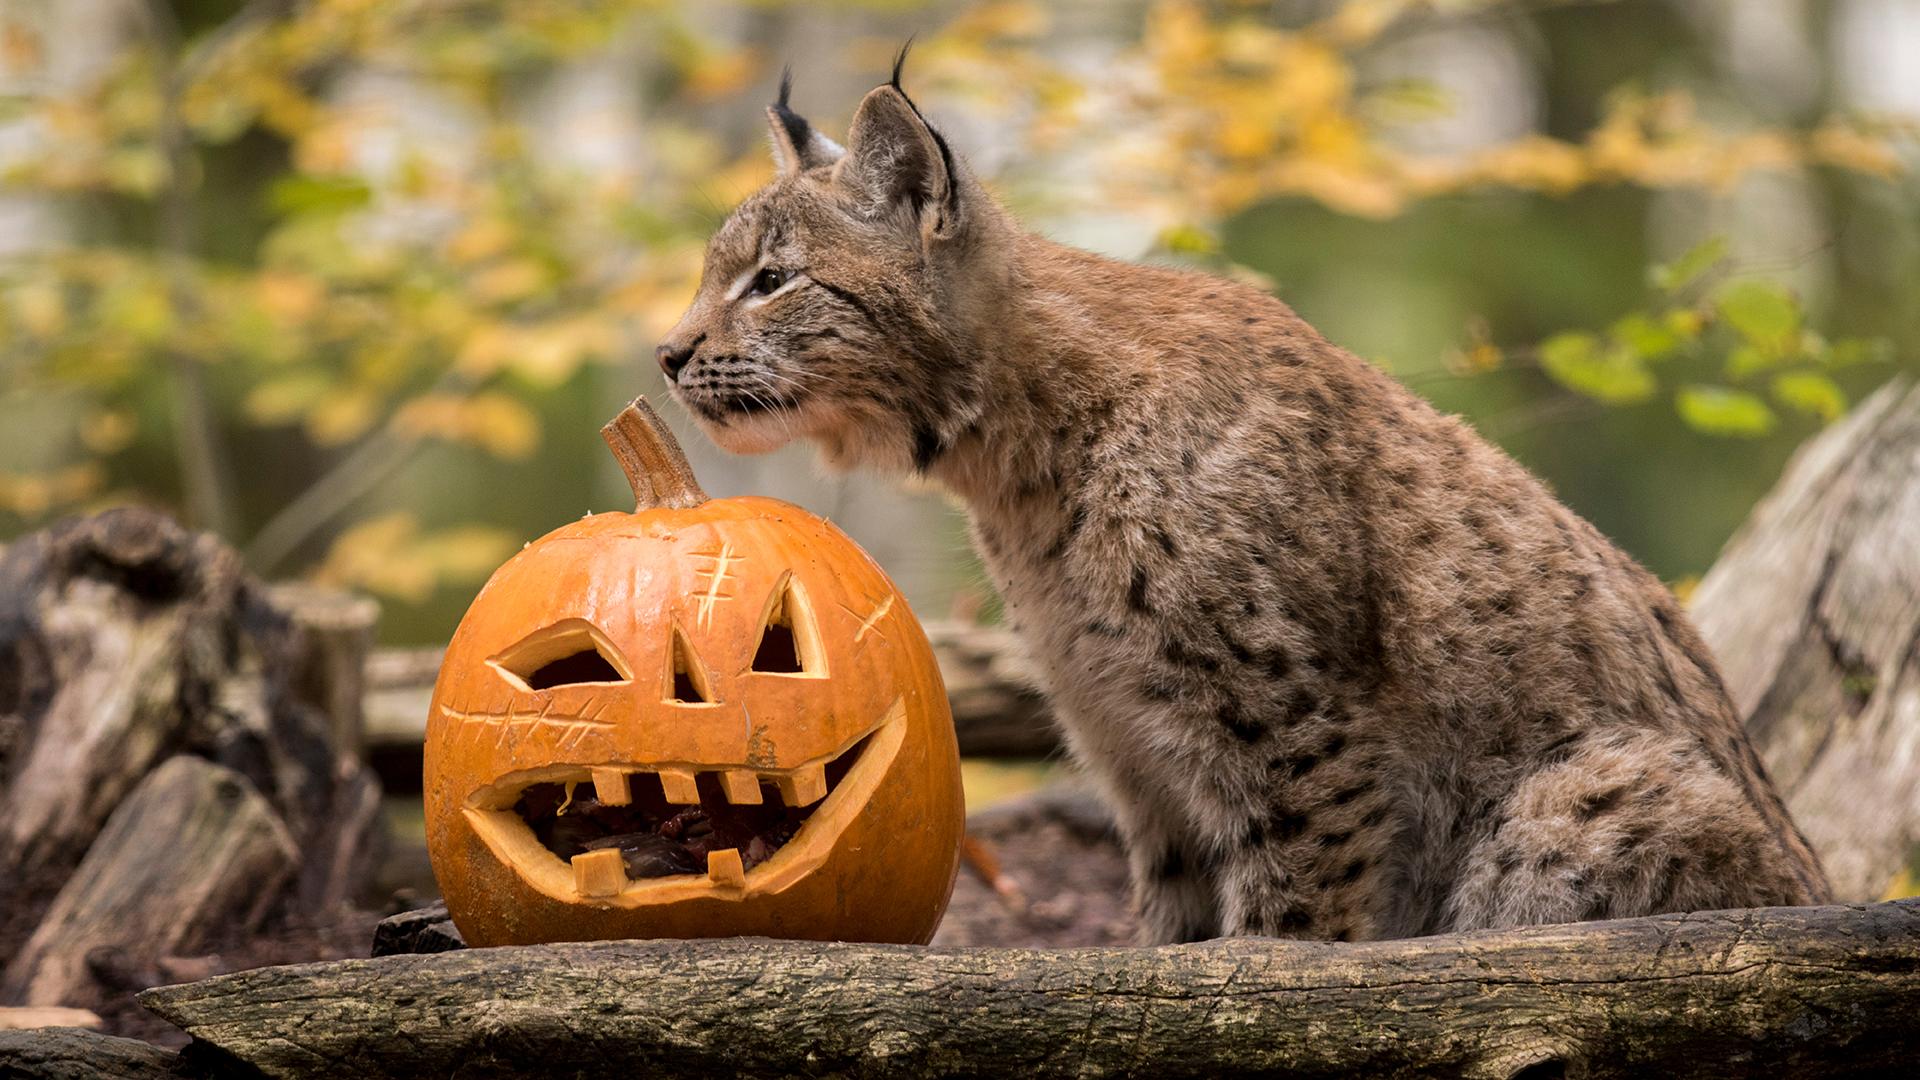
(896, 161)
(797, 147)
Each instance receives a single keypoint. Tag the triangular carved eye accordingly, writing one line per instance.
(789, 641)
(687, 677)
(564, 654)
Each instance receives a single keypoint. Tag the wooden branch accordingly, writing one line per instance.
(1814, 613)
(193, 852)
(1805, 992)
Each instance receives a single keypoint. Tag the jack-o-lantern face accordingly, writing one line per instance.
(710, 718)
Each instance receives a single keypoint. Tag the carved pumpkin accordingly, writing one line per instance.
(708, 717)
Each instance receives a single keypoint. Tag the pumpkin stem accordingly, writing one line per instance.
(655, 465)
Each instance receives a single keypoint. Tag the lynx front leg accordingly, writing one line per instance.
(1259, 897)
(1171, 890)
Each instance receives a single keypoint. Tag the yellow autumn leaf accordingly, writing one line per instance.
(515, 279)
(487, 349)
(392, 556)
(21, 50)
(287, 398)
(493, 421)
(503, 426)
(288, 295)
(108, 431)
(40, 307)
(340, 416)
(1848, 148)
(479, 240)
(721, 74)
(549, 354)
(1533, 162)
(374, 555)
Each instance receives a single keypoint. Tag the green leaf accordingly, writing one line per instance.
(319, 196)
(1188, 240)
(1762, 312)
(1810, 392)
(1642, 336)
(1718, 410)
(1685, 270)
(1576, 360)
(1849, 351)
(1744, 361)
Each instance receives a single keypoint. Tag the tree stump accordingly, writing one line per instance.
(194, 852)
(126, 641)
(1814, 613)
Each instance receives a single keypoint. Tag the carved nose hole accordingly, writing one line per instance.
(789, 644)
(777, 653)
(687, 676)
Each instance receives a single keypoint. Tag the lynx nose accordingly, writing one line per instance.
(674, 357)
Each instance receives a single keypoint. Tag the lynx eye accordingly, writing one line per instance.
(767, 280)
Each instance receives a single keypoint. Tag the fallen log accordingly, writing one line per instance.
(1806, 992)
(193, 852)
(68, 1053)
(1814, 612)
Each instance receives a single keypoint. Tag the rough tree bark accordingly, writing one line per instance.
(193, 852)
(76, 1054)
(126, 640)
(1802, 992)
(1814, 612)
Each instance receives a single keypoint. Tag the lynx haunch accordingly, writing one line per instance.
(1343, 669)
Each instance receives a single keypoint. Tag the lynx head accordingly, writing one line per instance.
(839, 302)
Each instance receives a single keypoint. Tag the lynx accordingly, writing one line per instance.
(1342, 668)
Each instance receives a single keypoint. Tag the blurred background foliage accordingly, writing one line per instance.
(354, 282)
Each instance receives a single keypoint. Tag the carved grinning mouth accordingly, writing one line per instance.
(626, 834)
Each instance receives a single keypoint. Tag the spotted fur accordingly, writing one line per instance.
(1344, 669)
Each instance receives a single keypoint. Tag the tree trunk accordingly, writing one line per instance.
(1805, 992)
(193, 852)
(1814, 613)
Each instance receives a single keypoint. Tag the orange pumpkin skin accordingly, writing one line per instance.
(876, 860)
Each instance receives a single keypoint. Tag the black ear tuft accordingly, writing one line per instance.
(798, 130)
(899, 65)
(946, 154)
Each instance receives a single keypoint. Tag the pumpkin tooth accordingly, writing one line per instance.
(742, 787)
(679, 787)
(610, 786)
(804, 786)
(724, 868)
(602, 872)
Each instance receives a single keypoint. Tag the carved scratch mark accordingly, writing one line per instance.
(516, 723)
(869, 622)
(722, 560)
